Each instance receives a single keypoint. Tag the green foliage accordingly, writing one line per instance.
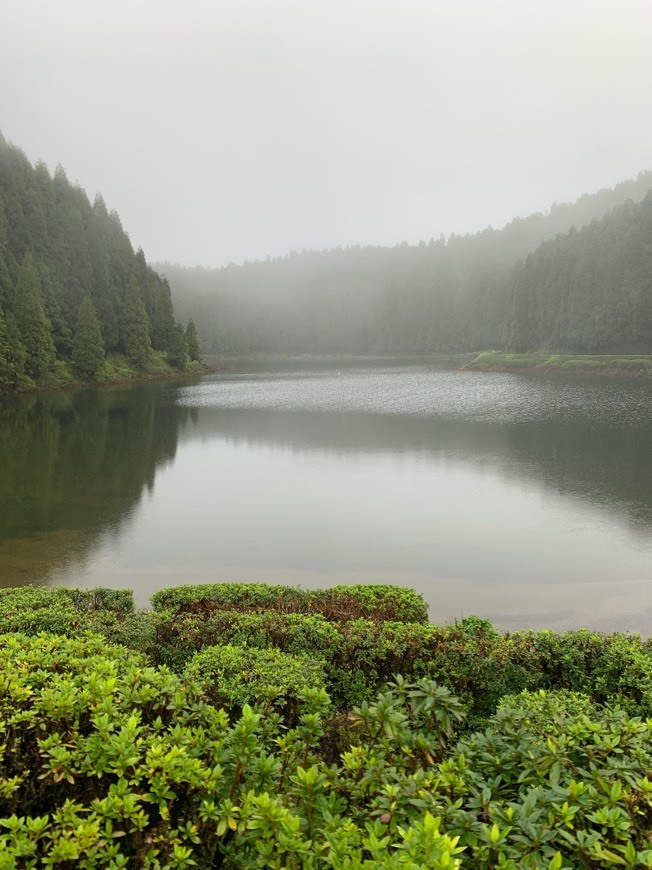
(587, 291)
(232, 676)
(33, 325)
(57, 250)
(134, 330)
(179, 636)
(547, 706)
(178, 348)
(106, 761)
(606, 363)
(192, 341)
(584, 291)
(10, 365)
(34, 609)
(339, 603)
(87, 344)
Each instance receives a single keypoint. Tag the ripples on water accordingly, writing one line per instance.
(524, 499)
(418, 392)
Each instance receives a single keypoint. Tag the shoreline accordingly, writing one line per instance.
(627, 366)
(117, 381)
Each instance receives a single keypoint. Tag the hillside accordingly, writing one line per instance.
(72, 289)
(589, 291)
(446, 295)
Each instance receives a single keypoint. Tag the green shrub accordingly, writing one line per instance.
(179, 637)
(232, 676)
(207, 597)
(539, 709)
(19, 601)
(337, 604)
(74, 612)
(107, 762)
(380, 603)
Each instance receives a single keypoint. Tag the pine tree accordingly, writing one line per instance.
(177, 354)
(192, 341)
(35, 328)
(8, 370)
(135, 326)
(87, 344)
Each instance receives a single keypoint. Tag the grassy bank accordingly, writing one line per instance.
(116, 369)
(625, 365)
(254, 726)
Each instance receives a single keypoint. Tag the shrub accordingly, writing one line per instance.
(105, 760)
(339, 603)
(232, 676)
(207, 597)
(540, 709)
(178, 638)
(74, 612)
(31, 609)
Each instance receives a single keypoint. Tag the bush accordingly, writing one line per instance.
(340, 603)
(74, 612)
(539, 709)
(19, 599)
(107, 762)
(179, 637)
(232, 676)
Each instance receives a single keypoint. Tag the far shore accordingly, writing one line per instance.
(604, 365)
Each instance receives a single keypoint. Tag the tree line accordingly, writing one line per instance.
(72, 289)
(448, 295)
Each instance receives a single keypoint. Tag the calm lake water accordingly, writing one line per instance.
(524, 499)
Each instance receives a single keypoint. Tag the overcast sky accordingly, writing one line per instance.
(224, 130)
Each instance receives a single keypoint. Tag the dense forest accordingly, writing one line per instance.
(587, 291)
(465, 293)
(72, 289)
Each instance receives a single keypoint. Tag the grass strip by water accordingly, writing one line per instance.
(627, 365)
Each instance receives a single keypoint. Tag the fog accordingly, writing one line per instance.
(230, 130)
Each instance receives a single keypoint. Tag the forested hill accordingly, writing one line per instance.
(446, 295)
(72, 289)
(589, 291)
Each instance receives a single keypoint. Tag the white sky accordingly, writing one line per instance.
(222, 130)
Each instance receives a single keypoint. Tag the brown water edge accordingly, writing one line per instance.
(33, 559)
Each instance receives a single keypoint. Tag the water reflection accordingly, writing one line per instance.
(74, 466)
(607, 466)
(526, 500)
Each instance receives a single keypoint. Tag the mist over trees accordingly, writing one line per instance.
(72, 289)
(589, 291)
(464, 293)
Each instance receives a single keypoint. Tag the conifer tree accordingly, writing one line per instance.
(35, 328)
(177, 354)
(192, 342)
(135, 325)
(8, 373)
(87, 344)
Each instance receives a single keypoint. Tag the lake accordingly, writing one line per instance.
(524, 499)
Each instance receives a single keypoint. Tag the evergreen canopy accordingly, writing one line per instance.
(72, 288)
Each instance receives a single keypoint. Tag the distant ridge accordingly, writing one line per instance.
(444, 296)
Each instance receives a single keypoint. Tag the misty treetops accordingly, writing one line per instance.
(72, 289)
(74, 295)
(537, 283)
